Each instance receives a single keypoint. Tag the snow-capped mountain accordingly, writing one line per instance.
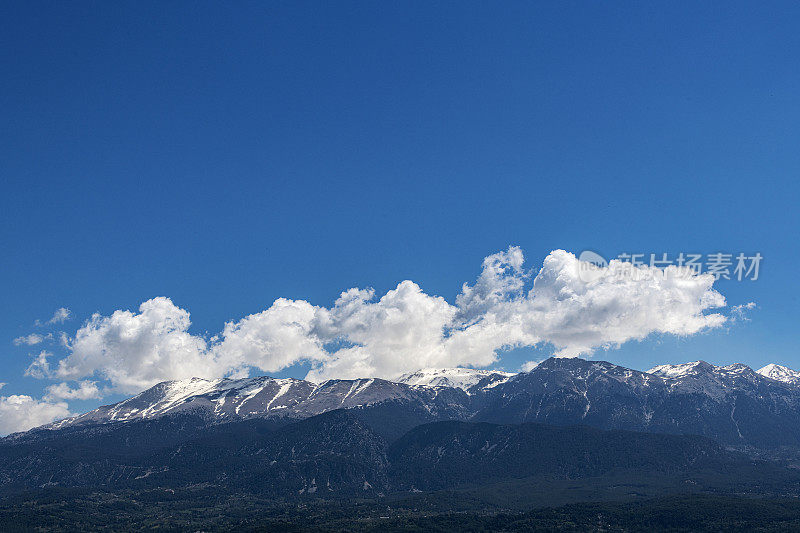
(220, 397)
(462, 378)
(265, 397)
(780, 373)
(368, 436)
(703, 377)
(732, 403)
(701, 368)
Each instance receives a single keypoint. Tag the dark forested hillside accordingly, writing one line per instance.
(340, 454)
(417, 454)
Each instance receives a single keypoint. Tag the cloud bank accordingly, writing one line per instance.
(363, 335)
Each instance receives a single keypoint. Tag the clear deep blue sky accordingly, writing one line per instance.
(226, 154)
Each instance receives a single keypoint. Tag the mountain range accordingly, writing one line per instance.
(732, 404)
(432, 430)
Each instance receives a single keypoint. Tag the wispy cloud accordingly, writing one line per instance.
(739, 312)
(40, 366)
(31, 340)
(61, 315)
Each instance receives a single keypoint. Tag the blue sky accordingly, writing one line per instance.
(227, 155)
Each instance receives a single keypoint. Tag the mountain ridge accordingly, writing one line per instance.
(731, 403)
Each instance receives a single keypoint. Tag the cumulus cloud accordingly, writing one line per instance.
(502, 278)
(137, 350)
(21, 413)
(363, 335)
(629, 303)
(405, 328)
(85, 390)
(272, 339)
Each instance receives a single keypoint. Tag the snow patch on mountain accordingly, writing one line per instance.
(573, 388)
(461, 378)
(780, 373)
(234, 399)
(717, 382)
(681, 370)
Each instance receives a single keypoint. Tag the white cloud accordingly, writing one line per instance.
(578, 317)
(136, 350)
(272, 339)
(528, 366)
(30, 340)
(739, 312)
(40, 367)
(21, 413)
(61, 315)
(403, 330)
(502, 278)
(86, 390)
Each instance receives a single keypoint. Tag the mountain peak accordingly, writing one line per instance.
(780, 373)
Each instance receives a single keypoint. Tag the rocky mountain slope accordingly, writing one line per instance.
(732, 404)
(227, 399)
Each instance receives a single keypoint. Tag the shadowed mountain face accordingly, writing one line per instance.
(731, 404)
(262, 455)
(338, 454)
(435, 456)
(567, 419)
